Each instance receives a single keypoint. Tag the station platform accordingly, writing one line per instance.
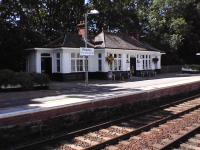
(71, 97)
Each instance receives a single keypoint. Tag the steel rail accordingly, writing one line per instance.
(180, 139)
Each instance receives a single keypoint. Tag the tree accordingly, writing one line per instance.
(117, 16)
(26, 24)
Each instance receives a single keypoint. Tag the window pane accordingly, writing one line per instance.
(120, 56)
(100, 65)
(58, 65)
(143, 64)
(99, 55)
(81, 65)
(150, 64)
(73, 55)
(58, 55)
(73, 65)
(115, 64)
(111, 66)
(146, 64)
(119, 64)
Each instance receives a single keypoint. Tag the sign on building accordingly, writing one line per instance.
(86, 51)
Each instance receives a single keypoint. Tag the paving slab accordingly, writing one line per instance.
(65, 94)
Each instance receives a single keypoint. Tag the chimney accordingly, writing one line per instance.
(81, 29)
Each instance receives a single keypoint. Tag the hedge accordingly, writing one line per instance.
(22, 79)
(193, 67)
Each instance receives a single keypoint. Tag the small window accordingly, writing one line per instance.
(119, 56)
(100, 65)
(115, 55)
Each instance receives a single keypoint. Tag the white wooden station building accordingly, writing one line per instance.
(120, 54)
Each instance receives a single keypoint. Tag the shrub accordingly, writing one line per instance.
(7, 77)
(40, 79)
(25, 80)
(193, 67)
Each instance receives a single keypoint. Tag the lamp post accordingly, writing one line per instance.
(92, 12)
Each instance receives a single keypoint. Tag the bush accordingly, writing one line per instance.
(23, 79)
(40, 79)
(193, 67)
(7, 77)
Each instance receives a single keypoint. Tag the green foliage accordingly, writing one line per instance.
(169, 25)
(28, 24)
(7, 77)
(25, 80)
(193, 67)
(40, 79)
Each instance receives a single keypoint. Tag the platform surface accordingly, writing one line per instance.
(64, 94)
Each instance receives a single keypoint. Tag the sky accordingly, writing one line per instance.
(86, 1)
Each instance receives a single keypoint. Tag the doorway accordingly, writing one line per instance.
(46, 65)
(133, 66)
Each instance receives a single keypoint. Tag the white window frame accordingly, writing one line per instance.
(76, 59)
(117, 60)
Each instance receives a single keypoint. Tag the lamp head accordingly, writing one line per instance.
(93, 11)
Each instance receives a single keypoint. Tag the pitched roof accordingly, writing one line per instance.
(111, 40)
(123, 41)
(68, 40)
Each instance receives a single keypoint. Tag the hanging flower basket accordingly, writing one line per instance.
(110, 59)
(155, 60)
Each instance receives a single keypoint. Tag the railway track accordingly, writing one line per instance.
(165, 136)
(124, 131)
(191, 143)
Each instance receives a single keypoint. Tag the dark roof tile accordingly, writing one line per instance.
(68, 40)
